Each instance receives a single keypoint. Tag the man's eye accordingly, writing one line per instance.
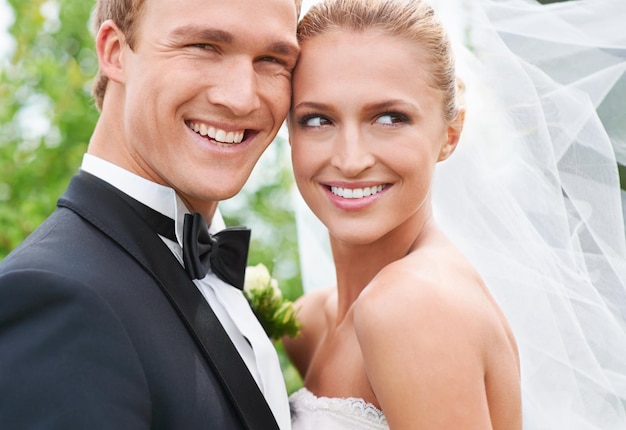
(271, 60)
(204, 46)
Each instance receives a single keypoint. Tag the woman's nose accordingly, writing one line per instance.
(353, 155)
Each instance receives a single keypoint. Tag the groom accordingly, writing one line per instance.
(121, 311)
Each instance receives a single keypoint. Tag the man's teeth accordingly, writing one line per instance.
(217, 134)
(356, 193)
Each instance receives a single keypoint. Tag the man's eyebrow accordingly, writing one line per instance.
(215, 35)
(202, 33)
(284, 49)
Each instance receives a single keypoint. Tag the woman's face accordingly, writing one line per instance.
(366, 131)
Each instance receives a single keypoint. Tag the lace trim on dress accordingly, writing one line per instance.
(352, 407)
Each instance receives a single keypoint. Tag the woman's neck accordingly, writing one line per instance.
(357, 264)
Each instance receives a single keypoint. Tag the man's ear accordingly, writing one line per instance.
(454, 134)
(110, 43)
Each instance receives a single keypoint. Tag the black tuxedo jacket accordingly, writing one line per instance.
(100, 328)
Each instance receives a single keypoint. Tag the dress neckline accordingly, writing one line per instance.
(352, 406)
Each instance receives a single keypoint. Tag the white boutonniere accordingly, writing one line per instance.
(276, 314)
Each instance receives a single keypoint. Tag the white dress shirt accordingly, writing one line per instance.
(228, 303)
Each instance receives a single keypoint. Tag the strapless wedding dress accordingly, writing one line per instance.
(309, 412)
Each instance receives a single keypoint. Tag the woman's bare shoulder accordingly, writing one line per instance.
(431, 298)
(426, 332)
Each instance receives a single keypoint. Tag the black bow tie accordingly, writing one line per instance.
(225, 252)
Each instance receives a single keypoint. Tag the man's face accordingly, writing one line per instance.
(206, 88)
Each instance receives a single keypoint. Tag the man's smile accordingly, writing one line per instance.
(217, 134)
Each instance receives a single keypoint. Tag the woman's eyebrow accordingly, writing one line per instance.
(311, 105)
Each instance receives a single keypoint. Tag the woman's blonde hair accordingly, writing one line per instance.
(412, 20)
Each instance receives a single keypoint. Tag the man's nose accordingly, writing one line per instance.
(237, 88)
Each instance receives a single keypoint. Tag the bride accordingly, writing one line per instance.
(410, 328)
(411, 337)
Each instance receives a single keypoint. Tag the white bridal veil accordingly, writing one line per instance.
(532, 197)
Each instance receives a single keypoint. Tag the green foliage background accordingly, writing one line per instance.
(47, 78)
(47, 117)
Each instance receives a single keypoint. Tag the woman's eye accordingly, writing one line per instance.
(314, 121)
(391, 118)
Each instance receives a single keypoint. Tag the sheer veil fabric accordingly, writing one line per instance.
(532, 197)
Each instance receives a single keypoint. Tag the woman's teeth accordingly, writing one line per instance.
(357, 193)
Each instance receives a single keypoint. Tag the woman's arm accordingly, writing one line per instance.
(311, 313)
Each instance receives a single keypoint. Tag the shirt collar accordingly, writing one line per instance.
(158, 197)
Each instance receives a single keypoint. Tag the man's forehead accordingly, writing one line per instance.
(224, 21)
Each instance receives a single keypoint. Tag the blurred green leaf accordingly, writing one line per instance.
(47, 114)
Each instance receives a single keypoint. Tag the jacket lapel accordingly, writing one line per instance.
(103, 206)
